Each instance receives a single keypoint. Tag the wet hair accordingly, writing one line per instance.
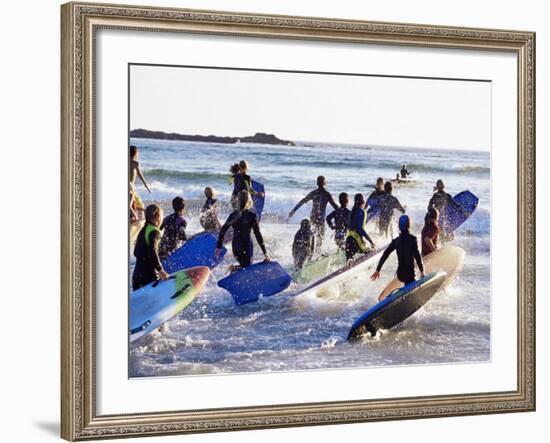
(133, 151)
(209, 192)
(388, 187)
(243, 165)
(152, 212)
(359, 199)
(343, 198)
(244, 201)
(379, 181)
(234, 168)
(431, 215)
(305, 224)
(439, 184)
(321, 180)
(404, 223)
(178, 204)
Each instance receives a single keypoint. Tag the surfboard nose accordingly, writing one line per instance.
(198, 276)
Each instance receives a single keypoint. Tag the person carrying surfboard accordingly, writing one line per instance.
(243, 220)
(406, 247)
(241, 181)
(303, 244)
(387, 204)
(355, 241)
(173, 227)
(148, 265)
(319, 198)
(442, 200)
(430, 232)
(338, 221)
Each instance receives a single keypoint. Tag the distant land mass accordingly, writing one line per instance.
(259, 137)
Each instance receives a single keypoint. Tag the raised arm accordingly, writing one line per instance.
(301, 202)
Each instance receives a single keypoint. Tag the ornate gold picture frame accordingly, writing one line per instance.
(80, 22)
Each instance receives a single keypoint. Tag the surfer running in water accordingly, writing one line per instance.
(320, 198)
(241, 181)
(373, 199)
(243, 221)
(136, 204)
(355, 241)
(406, 246)
(303, 245)
(173, 227)
(338, 220)
(210, 211)
(430, 232)
(148, 266)
(387, 203)
(442, 200)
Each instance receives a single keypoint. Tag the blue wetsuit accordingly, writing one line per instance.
(355, 242)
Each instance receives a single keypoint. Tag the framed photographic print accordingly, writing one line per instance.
(282, 221)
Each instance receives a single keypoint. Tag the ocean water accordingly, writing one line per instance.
(282, 332)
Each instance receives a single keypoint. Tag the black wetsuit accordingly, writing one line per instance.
(387, 203)
(173, 227)
(242, 224)
(303, 247)
(404, 173)
(339, 221)
(147, 259)
(406, 247)
(355, 241)
(441, 200)
(209, 215)
(319, 198)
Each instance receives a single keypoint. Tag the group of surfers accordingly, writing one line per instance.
(161, 236)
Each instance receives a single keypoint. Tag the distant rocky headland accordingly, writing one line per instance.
(259, 137)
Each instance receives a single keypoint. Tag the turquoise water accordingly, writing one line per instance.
(308, 332)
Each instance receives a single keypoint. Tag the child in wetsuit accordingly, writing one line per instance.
(387, 203)
(319, 198)
(355, 241)
(430, 232)
(406, 247)
(243, 221)
(210, 211)
(303, 245)
(241, 181)
(173, 227)
(148, 266)
(338, 220)
(441, 200)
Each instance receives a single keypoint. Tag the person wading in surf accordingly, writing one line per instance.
(355, 241)
(303, 244)
(430, 232)
(319, 198)
(243, 220)
(241, 181)
(338, 221)
(148, 266)
(406, 247)
(387, 203)
(441, 201)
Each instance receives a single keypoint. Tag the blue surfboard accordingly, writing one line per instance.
(398, 306)
(454, 218)
(260, 279)
(258, 202)
(197, 251)
(373, 208)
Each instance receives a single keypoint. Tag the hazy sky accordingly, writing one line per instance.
(312, 107)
